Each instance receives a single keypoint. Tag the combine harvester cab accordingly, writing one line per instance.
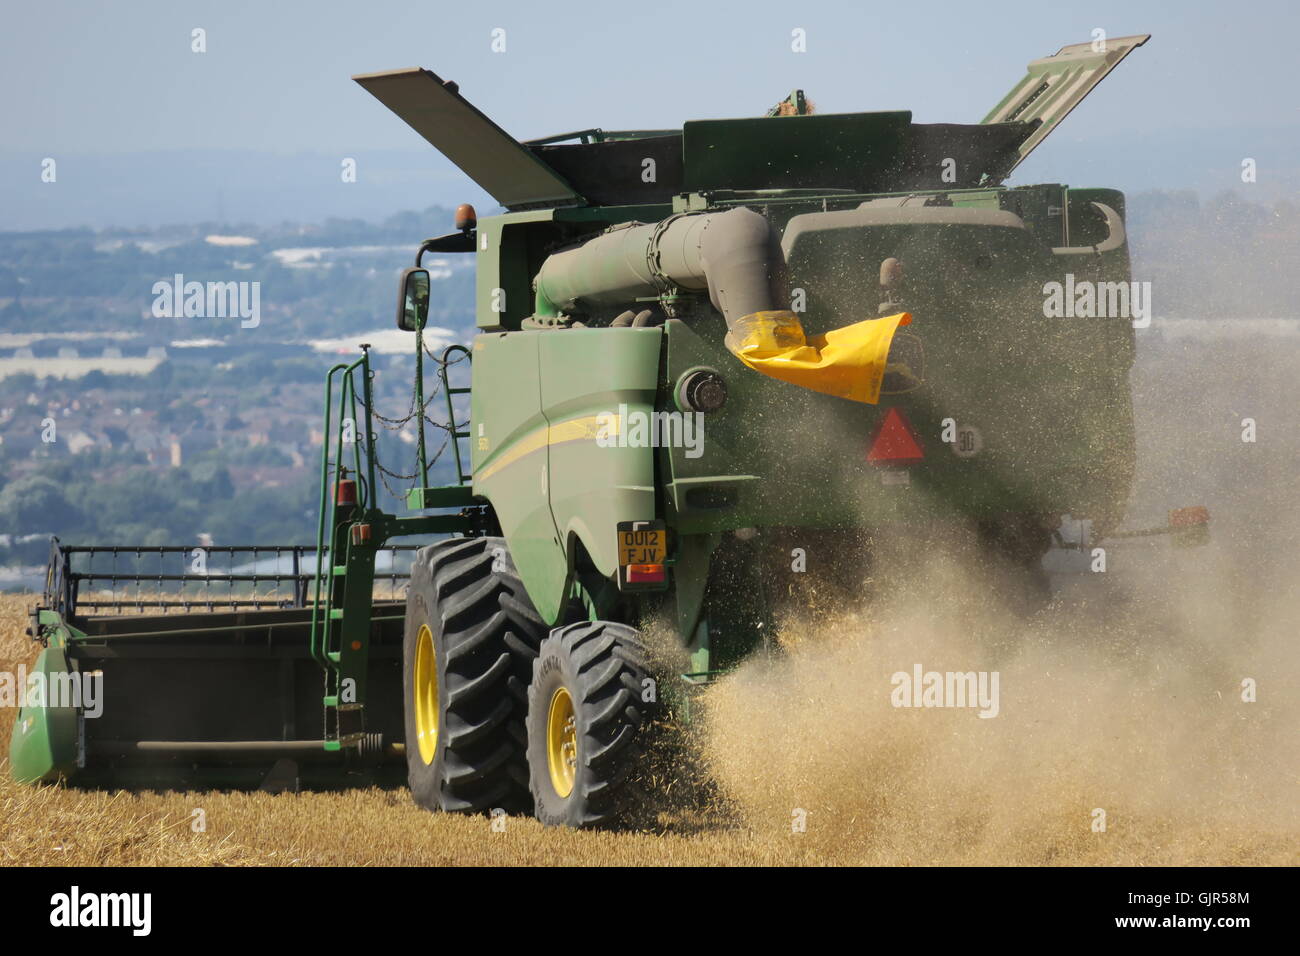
(697, 350)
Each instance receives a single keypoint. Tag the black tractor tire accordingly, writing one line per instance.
(602, 668)
(480, 634)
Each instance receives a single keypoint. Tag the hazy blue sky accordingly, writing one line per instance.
(100, 77)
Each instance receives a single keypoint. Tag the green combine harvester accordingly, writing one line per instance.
(699, 352)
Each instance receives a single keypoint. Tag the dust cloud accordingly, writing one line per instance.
(1120, 702)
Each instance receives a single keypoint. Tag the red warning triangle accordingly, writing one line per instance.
(895, 442)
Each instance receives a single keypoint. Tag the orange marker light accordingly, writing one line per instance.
(466, 217)
(346, 493)
(1187, 517)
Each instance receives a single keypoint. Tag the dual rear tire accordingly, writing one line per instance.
(589, 710)
(501, 714)
(470, 640)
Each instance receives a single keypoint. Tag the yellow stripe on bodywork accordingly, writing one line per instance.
(575, 429)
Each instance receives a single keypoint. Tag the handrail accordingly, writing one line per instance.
(320, 625)
(452, 427)
(1115, 236)
(324, 507)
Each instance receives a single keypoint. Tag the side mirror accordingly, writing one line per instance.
(413, 302)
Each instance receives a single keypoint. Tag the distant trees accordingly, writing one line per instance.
(37, 504)
(138, 506)
(79, 279)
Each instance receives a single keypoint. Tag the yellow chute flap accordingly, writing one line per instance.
(848, 362)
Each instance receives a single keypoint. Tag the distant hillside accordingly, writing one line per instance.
(326, 279)
(229, 186)
(130, 190)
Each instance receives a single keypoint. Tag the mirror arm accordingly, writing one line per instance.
(452, 242)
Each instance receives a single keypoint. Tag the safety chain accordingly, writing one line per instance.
(397, 424)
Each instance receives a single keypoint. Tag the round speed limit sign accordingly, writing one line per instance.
(969, 442)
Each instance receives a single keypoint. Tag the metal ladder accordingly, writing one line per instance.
(345, 557)
(456, 433)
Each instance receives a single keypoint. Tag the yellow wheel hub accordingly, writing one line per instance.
(562, 742)
(425, 691)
